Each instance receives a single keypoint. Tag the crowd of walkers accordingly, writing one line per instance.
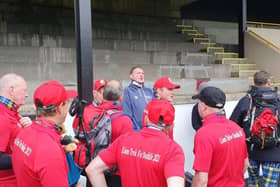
(125, 136)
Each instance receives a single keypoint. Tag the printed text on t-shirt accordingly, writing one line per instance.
(230, 137)
(23, 147)
(155, 157)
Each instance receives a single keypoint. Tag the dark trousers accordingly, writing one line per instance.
(113, 180)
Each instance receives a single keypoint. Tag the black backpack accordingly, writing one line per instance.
(262, 99)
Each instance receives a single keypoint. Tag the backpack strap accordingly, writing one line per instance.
(82, 104)
(250, 111)
(91, 123)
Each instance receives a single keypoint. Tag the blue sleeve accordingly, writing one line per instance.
(127, 109)
(196, 119)
(126, 104)
(240, 111)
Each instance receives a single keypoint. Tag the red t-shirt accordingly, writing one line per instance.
(38, 157)
(9, 128)
(220, 150)
(145, 158)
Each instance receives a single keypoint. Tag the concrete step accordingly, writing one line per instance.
(17, 39)
(207, 44)
(198, 40)
(195, 35)
(243, 73)
(68, 55)
(195, 71)
(213, 49)
(220, 55)
(193, 58)
(187, 31)
(182, 26)
(236, 67)
(234, 61)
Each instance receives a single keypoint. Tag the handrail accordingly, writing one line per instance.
(264, 40)
(263, 23)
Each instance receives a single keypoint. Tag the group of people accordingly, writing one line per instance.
(142, 145)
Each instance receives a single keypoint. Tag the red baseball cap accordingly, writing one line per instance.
(160, 108)
(72, 93)
(50, 94)
(165, 82)
(99, 84)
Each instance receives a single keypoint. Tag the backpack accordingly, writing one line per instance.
(94, 139)
(263, 118)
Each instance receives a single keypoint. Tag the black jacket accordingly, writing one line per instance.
(196, 119)
(238, 115)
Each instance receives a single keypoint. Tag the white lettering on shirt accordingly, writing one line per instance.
(132, 152)
(23, 147)
(230, 137)
(125, 151)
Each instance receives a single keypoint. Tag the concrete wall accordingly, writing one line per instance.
(68, 55)
(266, 57)
(221, 32)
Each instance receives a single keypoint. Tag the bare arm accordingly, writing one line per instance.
(246, 165)
(175, 182)
(95, 171)
(200, 179)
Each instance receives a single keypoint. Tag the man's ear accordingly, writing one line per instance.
(268, 82)
(11, 90)
(146, 120)
(121, 97)
(59, 108)
(94, 92)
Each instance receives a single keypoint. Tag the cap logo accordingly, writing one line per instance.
(102, 82)
(219, 105)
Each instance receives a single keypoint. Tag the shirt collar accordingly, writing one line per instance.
(107, 105)
(95, 103)
(140, 85)
(49, 124)
(9, 103)
(154, 132)
(215, 117)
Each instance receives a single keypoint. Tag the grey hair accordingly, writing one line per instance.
(8, 80)
(113, 90)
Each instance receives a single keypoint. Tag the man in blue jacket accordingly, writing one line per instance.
(136, 97)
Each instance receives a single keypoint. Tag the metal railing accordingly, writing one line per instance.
(263, 24)
(264, 40)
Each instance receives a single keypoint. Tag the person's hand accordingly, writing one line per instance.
(69, 143)
(25, 121)
(70, 147)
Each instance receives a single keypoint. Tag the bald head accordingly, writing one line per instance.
(13, 87)
(113, 91)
